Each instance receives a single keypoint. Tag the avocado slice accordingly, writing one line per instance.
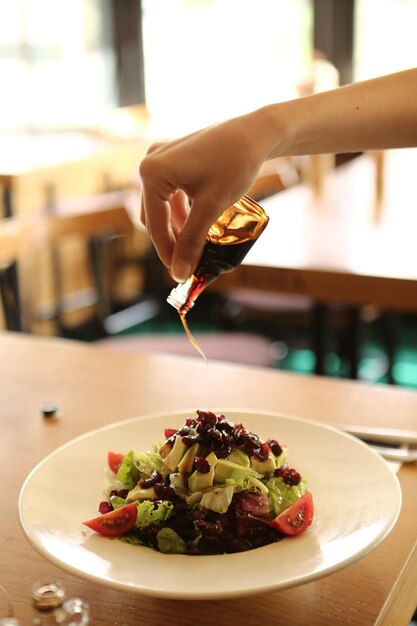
(165, 449)
(263, 467)
(186, 463)
(199, 481)
(228, 469)
(212, 459)
(141, 494)
(175, 455)
(239, 457)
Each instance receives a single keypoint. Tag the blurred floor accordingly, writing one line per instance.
(291, 350)
(373, 365)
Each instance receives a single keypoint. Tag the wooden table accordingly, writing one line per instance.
(94, 387)
(44, 169)
(353, 243)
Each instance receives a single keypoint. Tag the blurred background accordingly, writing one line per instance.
(88, 85)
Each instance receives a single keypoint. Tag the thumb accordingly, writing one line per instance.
(186, 255)
(190, 242)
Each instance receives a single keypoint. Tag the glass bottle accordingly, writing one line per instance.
(228, 241)
(47, 595)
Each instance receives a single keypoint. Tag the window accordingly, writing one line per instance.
(64, 63)
(385, 37)
(56, 62)
(206, 60)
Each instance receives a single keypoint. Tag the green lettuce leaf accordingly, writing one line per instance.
(136, 465)
(148, 462)
(151, 513)
(218, 499)
(281, 459)
(117, 502)
(169, 542)
(128, 473)
(281, 495)
(132, 538)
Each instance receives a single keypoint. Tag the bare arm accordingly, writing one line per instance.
(212, 168)
(371, 115)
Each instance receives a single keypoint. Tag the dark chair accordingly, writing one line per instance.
(11, 238)
(96, 224)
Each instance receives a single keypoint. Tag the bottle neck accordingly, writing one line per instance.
(180, 297)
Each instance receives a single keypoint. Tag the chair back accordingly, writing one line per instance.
(88, 222)
(11, 241)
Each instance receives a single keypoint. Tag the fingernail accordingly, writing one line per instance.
(181, 272)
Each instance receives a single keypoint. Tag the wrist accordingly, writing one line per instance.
(276, 129)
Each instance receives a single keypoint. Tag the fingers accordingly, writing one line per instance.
(142, 214)
(157, 218)
(180, 208)
(155, 207)
(195, 168)
(187, 253)
(190, 242)
(152, 149)
(165, 206)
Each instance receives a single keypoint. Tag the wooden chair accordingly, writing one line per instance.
(276, 175)
(277, 313)
(11, 236)
(93, 223)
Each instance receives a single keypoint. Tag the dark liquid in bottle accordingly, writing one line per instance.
(216, 259)
(228, 241)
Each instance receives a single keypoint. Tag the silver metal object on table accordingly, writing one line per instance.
(394, 444)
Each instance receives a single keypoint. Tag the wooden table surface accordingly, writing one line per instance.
(94, 387)
(354, 243)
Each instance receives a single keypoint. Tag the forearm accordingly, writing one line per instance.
(211, 169)
(376, 114)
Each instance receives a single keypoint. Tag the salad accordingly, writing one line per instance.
(211, 487)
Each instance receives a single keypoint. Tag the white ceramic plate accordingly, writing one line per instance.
(357, 501)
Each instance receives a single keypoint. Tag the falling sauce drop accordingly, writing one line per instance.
(190, 337)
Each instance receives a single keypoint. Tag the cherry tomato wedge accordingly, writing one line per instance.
(168, 432)
(297, 518)
(116, 522)
(114, 460)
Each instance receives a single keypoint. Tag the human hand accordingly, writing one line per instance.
(189, 182)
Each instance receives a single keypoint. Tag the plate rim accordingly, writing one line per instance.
(219, 594)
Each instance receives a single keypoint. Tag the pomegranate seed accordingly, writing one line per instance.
(154, 478)
(289, 475)
(201, 465)
(275, 447)
(280, 470)
(207, 418)
(105, 507)
(263, 452)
